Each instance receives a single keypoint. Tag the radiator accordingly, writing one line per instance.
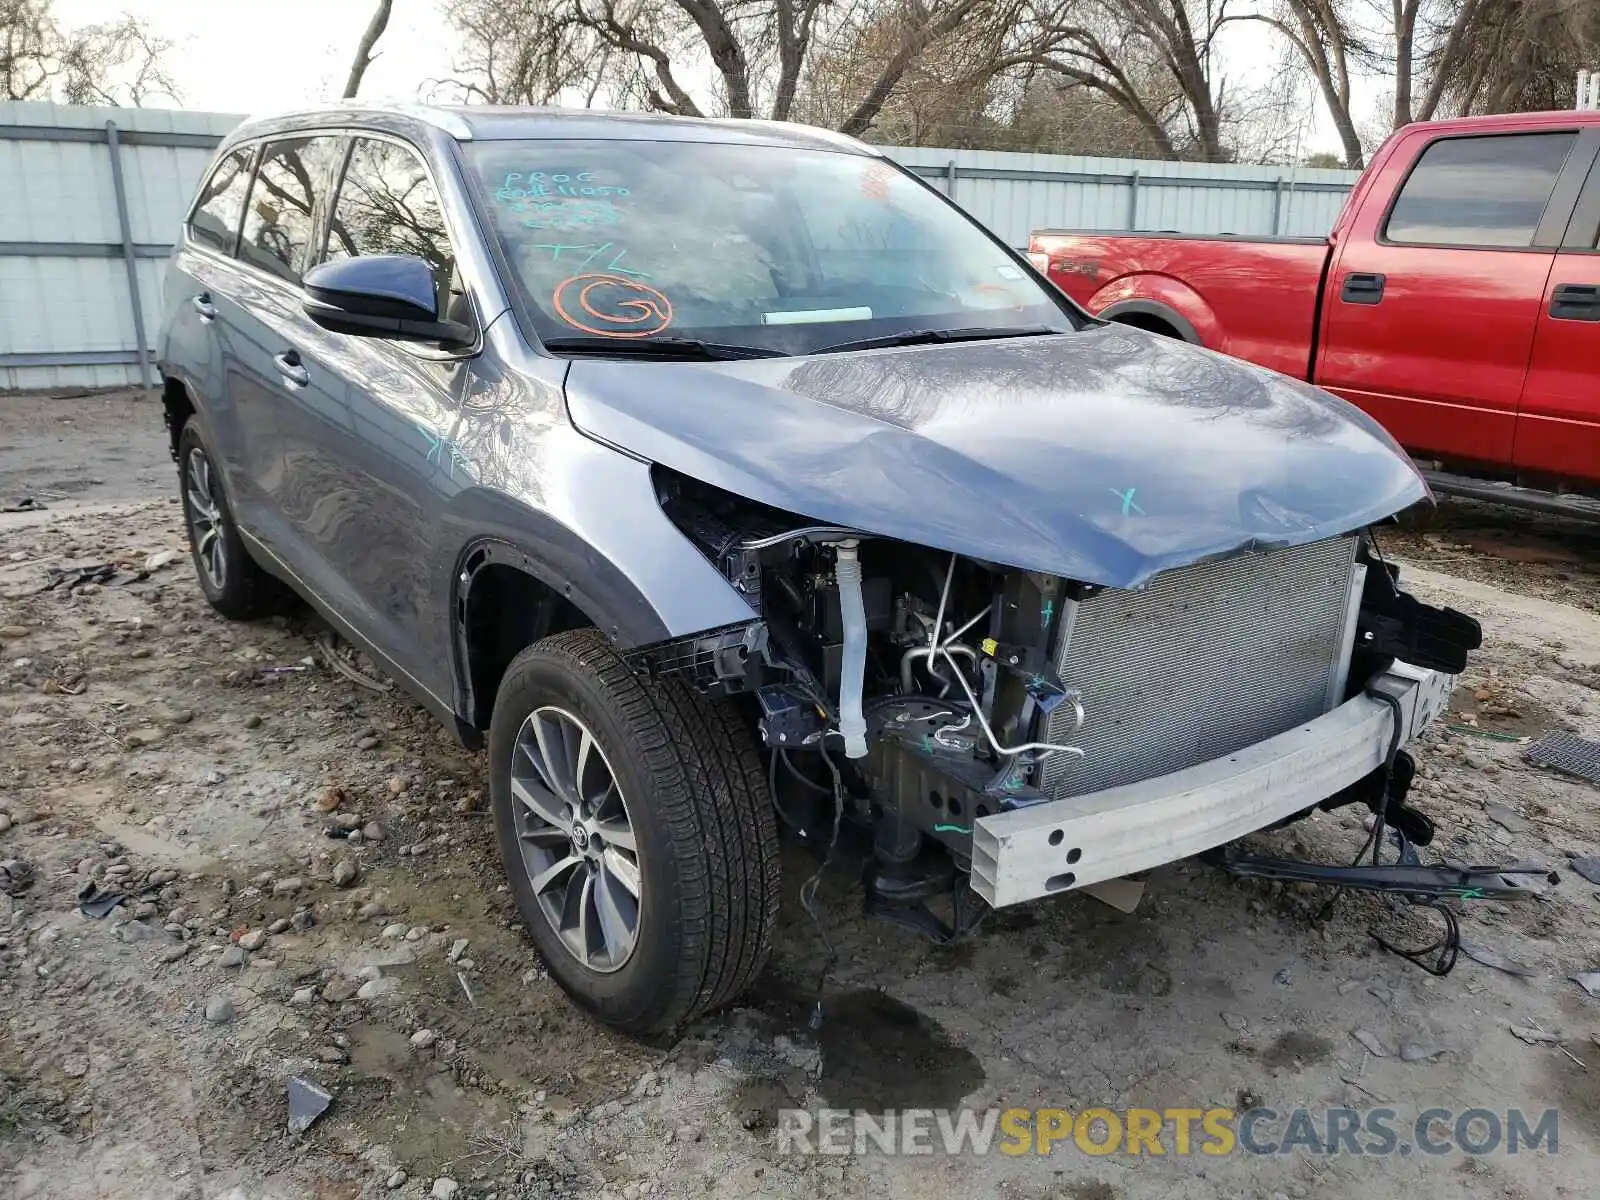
(1203, 661)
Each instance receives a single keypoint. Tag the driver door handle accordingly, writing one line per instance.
(1362, 288)
(1576, 302)
(202, 305)
(292, 369)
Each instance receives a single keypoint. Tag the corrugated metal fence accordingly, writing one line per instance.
(1014, 194)
(90, 199)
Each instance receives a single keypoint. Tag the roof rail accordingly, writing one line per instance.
(440, 118)
(445, 119)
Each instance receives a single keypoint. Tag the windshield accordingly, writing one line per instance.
(767, 247)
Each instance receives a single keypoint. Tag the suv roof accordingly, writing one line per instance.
(466, 123)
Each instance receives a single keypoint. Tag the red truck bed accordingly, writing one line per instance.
(1259, 298)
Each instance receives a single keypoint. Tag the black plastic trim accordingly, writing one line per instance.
(1152, 308)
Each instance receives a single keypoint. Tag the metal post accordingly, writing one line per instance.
(950, 179)
(1133, 201)
(1277, 206)
(142, 344)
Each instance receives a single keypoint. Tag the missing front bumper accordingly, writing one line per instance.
(1087, 839)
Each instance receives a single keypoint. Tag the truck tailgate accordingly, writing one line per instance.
(1252, 298)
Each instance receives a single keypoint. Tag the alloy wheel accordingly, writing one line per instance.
(207, 525)
(578, 844)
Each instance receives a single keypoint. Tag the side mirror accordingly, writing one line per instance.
(380, 295)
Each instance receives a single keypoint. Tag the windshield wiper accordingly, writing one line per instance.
(921, 337)
(659, 347)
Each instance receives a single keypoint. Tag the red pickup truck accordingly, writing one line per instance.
(1457, 300)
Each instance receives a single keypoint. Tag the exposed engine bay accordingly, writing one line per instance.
(913, 692)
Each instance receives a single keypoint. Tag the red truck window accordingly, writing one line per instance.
(1479, 191)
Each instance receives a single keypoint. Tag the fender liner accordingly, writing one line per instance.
(607, 599)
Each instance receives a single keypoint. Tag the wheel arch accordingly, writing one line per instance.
(1153, 316)
(177, 409)
(1149, 296)
(596, 550)
(505, 600)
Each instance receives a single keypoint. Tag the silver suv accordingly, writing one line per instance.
(719, 473)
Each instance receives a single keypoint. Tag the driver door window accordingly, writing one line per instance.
(387, 205)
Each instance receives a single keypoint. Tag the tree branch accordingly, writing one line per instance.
(364, 55)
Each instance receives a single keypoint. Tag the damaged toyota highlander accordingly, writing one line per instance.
(717, 474)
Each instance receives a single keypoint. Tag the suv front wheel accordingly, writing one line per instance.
(637, 834)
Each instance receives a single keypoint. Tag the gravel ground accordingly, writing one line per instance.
(318, 898)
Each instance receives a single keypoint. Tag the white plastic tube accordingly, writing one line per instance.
(853, 665)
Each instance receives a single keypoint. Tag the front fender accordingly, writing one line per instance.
(1164, 297)
(592, 530)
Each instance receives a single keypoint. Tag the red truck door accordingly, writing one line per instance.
(1431, 307)
(1558, 427)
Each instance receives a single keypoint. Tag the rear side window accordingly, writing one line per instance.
(215, 222)
(1480, 191)
(291, 184)
(388, 205)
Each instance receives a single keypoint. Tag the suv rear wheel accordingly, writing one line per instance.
(637, 834)
(232, 581)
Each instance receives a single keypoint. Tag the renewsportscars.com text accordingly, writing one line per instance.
(1169, 1131)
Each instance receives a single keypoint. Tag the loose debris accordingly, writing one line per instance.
(1567, 753)
(1493, 958)
(1508, 819)
(1588, 867)
(1489, 734)
(219, 1010)
(330, 655)
(1417, 1052)
(97, 902)
(1371, 1041)
(1589, 981)
(16, 876)
(307, 1102)
(1534, 1036)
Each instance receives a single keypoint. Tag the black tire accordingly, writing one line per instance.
(240, 590)
(697, 801)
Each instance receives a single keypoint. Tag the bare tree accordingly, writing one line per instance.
(759, 52)
(522, 52)
(28, 39)
(950, 93)
(1116, 47)
(1513, 55)
(1326, 37)
(364, 54)
(1428, 34)
(1466, 56)
(1057, 115)
(115, 62)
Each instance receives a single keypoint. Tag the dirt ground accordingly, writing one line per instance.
(318, 897)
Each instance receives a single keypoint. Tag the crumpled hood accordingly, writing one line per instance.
(1104, 456)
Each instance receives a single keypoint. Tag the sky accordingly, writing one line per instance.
(254, 56)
